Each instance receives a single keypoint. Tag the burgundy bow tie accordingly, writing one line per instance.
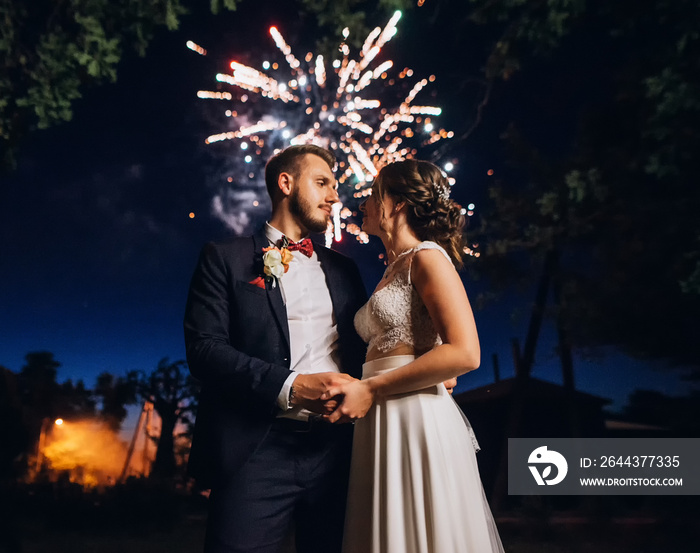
(305, 246)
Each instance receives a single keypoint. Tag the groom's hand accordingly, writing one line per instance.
(319, 406)
(308, 389)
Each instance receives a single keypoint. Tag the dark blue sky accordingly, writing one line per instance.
(97, 246)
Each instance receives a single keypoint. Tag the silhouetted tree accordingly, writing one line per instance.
(604, 109)
(114, 394)
(173, 393)
(74, 400)
(14, 440)
(13, 434)
(38, 390)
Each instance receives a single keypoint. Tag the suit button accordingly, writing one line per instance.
(286, 358)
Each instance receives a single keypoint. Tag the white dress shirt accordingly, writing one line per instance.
(313, 331)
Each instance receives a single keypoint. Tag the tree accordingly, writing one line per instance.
(38, 386)
(13, 434)
(604, 122)
(173, 393)
(41, 399)
(334, 16)
(114, 394)
(14, 440)
(50, 51)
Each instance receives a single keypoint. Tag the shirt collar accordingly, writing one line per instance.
(273, 235)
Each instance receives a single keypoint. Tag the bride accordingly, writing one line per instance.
(414, 482)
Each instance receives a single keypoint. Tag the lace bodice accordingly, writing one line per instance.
(395, 313)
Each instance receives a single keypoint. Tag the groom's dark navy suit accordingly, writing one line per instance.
(237, 339)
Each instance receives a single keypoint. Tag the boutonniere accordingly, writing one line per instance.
(276, 262)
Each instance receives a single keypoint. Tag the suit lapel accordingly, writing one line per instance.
(274, 295)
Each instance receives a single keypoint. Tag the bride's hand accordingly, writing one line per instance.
(357, 399)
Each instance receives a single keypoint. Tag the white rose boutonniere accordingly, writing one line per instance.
(276, 262)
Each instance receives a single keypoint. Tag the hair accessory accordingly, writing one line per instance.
(443, 190)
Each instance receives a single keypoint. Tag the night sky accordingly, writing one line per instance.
(97, 246)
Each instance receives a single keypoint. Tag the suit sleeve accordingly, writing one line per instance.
(211, 357)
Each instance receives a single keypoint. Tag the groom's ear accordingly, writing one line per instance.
(285, 183)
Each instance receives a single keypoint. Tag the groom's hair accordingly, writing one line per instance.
(289, 161)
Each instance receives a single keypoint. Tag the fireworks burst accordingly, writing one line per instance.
(337, 105)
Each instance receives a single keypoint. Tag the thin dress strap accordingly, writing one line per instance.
(427, 245)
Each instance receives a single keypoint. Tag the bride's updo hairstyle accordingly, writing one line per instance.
(431, 214)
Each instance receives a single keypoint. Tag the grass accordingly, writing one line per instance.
(138, 518)
(187, 536)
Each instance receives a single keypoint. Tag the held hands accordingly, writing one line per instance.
(358, 397)
(309, 389)
(338, 397)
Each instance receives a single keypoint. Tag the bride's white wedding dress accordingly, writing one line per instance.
(414, 481)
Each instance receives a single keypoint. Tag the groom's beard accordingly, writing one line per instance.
(304, 212)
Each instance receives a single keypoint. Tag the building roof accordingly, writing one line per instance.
(533, 389)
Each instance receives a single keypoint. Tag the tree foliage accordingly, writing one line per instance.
(51, 50)
(357, 16)
(602, 157)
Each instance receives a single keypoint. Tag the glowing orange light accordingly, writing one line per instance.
(489, 172)
(58, 422)
(191, 215)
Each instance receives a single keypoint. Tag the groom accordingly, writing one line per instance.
(266, 345)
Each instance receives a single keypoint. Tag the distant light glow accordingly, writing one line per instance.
(196, 48)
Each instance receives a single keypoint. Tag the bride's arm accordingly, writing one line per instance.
(439, 286)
